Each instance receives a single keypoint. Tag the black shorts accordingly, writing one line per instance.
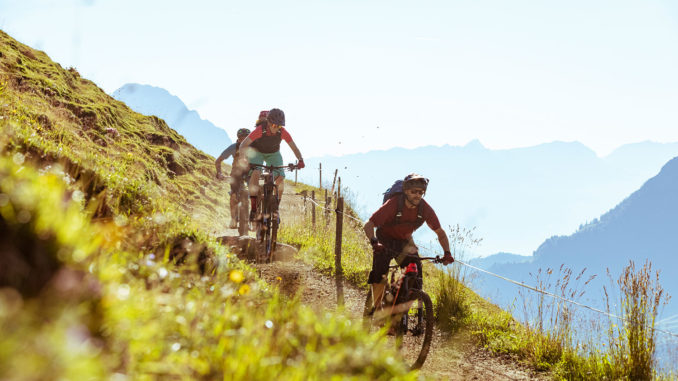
(394, 249)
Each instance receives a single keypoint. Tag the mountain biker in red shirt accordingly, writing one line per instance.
(265, 141)
(238, 170)
(395, 221)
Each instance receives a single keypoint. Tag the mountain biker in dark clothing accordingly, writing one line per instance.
(265, 141)
(395, 221)
(238, 171)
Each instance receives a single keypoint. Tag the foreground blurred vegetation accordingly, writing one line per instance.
(109, 268)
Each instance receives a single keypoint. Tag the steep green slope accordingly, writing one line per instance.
(54, 115)
(107, 269)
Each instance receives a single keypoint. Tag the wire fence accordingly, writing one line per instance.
(324, 207)
(555, 296)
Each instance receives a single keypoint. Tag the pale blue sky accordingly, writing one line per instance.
(509, 73)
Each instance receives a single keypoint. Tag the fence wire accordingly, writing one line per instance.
(555, 296)
(517, 283)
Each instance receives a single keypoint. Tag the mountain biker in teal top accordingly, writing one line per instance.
(265, 143)
(395, 221)
(238, 171)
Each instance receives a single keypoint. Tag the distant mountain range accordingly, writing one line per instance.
(516, 198)
(499, 259)
(150, 100)
(642, 227)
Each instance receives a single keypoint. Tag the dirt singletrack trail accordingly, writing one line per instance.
(450, 358)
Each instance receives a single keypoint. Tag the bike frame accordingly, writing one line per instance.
(403, 283)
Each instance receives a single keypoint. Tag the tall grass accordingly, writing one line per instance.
(632, 341)
(548, 321)
(450, 288)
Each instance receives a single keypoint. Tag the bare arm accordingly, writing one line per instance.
(442, 238)
(218, 164)
(369, 230)
(221, 158)
(245, 143)
(294, 148)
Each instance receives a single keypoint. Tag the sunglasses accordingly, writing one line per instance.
(417, 191)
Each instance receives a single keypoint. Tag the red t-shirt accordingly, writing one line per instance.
(387, 213)
(258, 132)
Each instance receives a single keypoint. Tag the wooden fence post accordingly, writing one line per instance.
(327, 211)
(334, 182)
(339, 188)
(339, 272)
(313, 208)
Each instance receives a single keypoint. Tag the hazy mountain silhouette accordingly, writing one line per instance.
(499, 259)
(150, 100)
(516, 198)
(642, 227)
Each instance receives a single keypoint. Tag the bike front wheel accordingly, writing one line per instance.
(415, 329)
(263, 232)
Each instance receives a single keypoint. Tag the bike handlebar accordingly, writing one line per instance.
(435, 259)
(290, 167)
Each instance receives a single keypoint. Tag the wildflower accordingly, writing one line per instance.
(236, 276)
(244, 289)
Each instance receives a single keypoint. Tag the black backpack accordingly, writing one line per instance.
(396, 190)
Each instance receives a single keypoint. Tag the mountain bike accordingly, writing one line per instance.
(268, 219)
(409, 310)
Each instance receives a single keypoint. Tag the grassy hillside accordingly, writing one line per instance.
(108, 269)
(53, 115)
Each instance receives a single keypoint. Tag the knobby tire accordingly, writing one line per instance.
(416, 327)
(273, 202)
(421, 343)
(263, 230)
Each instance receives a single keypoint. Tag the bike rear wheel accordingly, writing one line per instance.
(415, 329)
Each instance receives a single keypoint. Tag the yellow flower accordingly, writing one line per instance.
(244, 289)
(236, 276)
(279, 279)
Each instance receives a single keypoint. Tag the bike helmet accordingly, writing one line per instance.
(243, 132)
(414, 180)
(276, 116)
